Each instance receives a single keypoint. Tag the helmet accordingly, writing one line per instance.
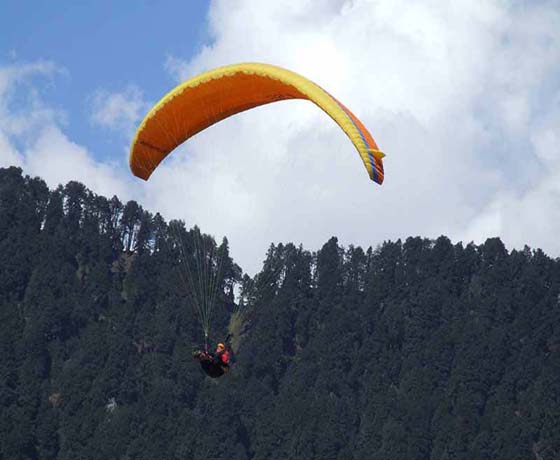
(221, 345)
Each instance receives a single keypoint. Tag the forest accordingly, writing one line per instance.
(410, 350)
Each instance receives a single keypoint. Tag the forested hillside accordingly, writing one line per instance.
(419, 349)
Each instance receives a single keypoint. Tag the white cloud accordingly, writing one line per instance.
(119, 110)
(527, 218)
(545, 134)
(59, 160)
(12, 75)
(9, 156)
(32, 136)
(461, 96)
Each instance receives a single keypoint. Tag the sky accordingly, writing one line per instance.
(463, 97)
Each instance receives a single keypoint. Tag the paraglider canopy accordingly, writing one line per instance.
(219, 93)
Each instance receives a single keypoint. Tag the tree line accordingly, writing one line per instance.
(415, 349)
